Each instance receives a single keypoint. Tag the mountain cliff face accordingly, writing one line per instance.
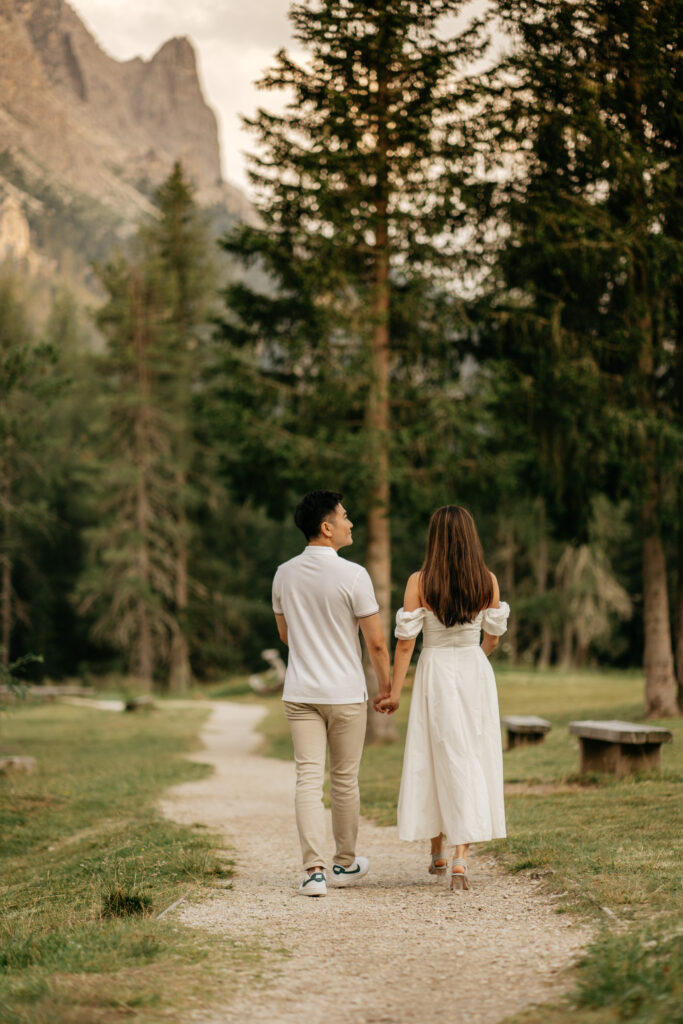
(78, 125)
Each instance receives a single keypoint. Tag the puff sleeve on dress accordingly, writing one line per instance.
(409, 624)
(495, 620)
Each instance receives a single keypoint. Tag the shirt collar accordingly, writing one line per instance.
(316, 548)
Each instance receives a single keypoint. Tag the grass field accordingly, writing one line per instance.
(606, 848)
(87, 864)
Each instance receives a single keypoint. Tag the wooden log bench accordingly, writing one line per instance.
(619, 748)
(523, 729)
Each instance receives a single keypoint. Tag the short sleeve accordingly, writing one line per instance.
(495, 620)
(409, 624)
(363, 600)
(277, 599)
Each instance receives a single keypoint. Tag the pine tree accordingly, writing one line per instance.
(129, 587)
(582, 117)
(155, 324)
(46, 579)
(178, 240)
(360, 199)
(29, 381)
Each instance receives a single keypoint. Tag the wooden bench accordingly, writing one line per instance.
(523, 729)
(619, 747)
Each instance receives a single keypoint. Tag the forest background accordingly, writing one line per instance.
(464, 286)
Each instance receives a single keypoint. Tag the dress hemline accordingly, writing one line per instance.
(453, 842)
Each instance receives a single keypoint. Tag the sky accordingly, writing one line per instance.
(235, 41)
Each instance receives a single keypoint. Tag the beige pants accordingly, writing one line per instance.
(315, 727)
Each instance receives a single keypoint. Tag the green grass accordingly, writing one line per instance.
(235, 688)
(601, 842)
(87, 863)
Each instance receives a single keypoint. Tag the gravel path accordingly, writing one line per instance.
(398, 948)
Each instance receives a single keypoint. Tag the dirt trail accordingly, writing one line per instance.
(396, 949)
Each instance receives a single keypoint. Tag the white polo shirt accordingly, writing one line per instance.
(322, 596)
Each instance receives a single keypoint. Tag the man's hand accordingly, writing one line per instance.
(386, 704)
(377, 700)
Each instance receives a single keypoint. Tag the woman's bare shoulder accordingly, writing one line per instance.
(412, 597)
(495, 600)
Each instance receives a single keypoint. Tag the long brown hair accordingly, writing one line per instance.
(455, 582)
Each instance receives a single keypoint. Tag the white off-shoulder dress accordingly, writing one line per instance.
(452, 780)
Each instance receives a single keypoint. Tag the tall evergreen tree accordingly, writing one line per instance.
(29, 381)
(178, 240)
(359, 186)
(584, 118)
(130, 584)
(155, 323)
(46, 580)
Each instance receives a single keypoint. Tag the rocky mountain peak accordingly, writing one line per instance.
(85, 139)
(178, 51)
(111, 129)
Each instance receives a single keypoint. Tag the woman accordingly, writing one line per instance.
(452, 781)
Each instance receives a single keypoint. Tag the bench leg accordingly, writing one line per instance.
(640, 757)
(523, 739)
(619, 758)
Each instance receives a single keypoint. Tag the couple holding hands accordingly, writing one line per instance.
(452, 780)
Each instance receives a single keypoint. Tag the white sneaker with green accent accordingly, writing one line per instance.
(346, 876)
(314, 884)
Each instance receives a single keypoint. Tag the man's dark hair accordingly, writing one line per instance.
(313, 508)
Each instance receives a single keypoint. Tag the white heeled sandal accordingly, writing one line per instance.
(438, 868)
(459, 879)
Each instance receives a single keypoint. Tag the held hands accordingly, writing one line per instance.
(386, 703)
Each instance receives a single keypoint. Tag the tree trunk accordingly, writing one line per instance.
(545, 638)
(581, 656)
(378, 557)
(6, 579)
(658, 662)
(509, 589)
(143, 663)
(678, 622)
(143, 667)
(144, 647)
(567, 660)
(660, 683)
(180, 675)
(679, 615)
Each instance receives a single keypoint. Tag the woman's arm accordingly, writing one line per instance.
(404, 650)
(489, 642)
(402, 655)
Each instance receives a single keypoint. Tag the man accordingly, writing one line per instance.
(319, 600)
